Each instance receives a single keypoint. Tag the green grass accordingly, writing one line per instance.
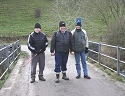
(109, 72)
(23, 54)
(17, 17)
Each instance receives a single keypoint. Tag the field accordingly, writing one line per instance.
(18, 17)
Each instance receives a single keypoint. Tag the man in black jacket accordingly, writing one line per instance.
(61, 42)
(37, 43)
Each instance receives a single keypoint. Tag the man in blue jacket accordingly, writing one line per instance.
(37, 43)
(60, 44)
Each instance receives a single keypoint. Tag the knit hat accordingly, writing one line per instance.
(78, 24)
(62, 23)
(37, 25)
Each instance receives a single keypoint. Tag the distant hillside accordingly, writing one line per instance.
(17, 17)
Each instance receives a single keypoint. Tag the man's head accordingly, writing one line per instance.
(78, 25)
(37, 28)
(62, 26)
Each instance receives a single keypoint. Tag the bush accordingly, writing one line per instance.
(116, 36)
(37, 13)
(116, 33)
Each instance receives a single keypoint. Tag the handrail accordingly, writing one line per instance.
(99, 54)
(9, 54)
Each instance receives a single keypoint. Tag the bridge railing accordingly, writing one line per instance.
(111, 57)
(8, 54)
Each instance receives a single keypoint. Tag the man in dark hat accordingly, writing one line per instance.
(37, 43)
(81, 48)
(60, 44)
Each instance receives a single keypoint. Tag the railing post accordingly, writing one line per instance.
(16, 52)
(99, 52)
(118, 58)
(13, 51)
(0, 81)
(7, 61)
(19, 49)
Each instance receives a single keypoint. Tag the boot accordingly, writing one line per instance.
(41, 78)
(87, 77)
(32, 80)
(64, 76)
(57, 78)
(78, 76)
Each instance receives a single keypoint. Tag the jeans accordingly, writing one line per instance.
(81, 55)
(60, 62)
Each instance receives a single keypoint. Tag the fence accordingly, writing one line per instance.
(8, 54)
(111, 57)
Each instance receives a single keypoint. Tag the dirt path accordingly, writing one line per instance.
(99, 85)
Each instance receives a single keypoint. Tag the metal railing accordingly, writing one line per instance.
(8, 55)
(111, 57)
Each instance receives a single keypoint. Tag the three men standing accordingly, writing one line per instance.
(62, 41)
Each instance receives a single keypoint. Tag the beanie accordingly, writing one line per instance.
(78, 24)
(37, 25)
(62, 23)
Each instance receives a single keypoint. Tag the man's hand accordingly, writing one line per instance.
(72, 53)
(52, 54)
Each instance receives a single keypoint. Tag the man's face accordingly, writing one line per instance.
(78, 27)
(37, 30)
(62, 29)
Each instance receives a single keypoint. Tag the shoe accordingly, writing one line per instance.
(57, 78)
(78, 76)
(32, 80)
(87, 77)
(65, 77)
(57, 81)
(41, 78)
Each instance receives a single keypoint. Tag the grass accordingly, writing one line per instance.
(108, 72)
(23, 54)
(17, 17)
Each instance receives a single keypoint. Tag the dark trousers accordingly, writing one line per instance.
(60, 62)
(37, 59)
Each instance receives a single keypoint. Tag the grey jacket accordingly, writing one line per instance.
(80, 40)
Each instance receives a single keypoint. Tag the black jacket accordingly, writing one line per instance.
(62, 42)
(36, 42)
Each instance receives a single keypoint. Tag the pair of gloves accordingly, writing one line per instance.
(86, 50)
